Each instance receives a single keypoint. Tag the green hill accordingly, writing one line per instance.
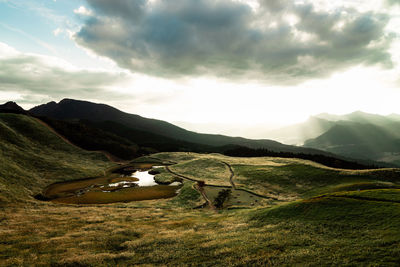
(32, 156)
(283, 212)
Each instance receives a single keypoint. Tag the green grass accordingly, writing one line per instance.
(340, 230)
(32, 156)
(211, 170)
(164, 177)
(380, 195)
(325, 220)
(188, 196)
(285, 179)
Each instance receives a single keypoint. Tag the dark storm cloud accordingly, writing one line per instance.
(281, 42)
(36, 78)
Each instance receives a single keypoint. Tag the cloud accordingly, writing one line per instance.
(83, 11)
(280, 41)
(42, 77)
(57, 31)
(393, 2)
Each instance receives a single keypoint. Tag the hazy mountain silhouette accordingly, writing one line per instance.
(69, 109)
(298, 133)
(379, 140)
(361, 117)
(317, 125)
(393, 116)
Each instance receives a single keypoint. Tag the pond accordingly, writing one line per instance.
(132, 183)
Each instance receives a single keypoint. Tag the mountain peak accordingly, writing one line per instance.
(69, 100)
(361, 113)
(11, 106)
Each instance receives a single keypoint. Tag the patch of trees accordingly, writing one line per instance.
(322, 159)
(223, 196)
(119, 140)
(91, 138)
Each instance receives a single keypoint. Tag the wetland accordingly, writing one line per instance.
(132, 182)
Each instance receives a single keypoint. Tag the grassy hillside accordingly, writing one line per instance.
(281, 178)
(32, 156)
(311, 215)
(336, 229)
(92, 138)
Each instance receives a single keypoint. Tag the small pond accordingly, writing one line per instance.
(132, 183)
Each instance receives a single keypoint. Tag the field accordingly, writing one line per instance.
(309, 214)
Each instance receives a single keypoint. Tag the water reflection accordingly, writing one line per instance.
(128, 186)
(145, 179)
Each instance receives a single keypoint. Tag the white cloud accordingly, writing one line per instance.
(57, 31)
(37, 76)
(83, 11)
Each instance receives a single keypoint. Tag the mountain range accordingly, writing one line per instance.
(367, 138)
(147, 130)
(360, 135)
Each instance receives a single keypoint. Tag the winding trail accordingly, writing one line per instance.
(204, 195)
(222, 186)
(180, 175)
(232, 174)
(197, 187)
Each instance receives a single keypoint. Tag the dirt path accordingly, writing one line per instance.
(204, 195)
(108, 155)
(199, 188)
(232, 174)
(180, 175)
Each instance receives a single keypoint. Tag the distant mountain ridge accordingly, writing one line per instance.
(296, 134)
(363, 136)
(99, 127)
(69, 109)
(361, 117)
(317, 125)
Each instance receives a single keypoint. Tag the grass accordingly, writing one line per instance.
(33, 157)
(282, 178)
(320, 217)
(342, 230)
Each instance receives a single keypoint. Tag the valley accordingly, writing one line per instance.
(64, 206)
(199, 133)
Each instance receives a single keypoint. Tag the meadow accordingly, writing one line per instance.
(308, 214)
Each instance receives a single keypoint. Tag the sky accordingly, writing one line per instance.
(222, 66)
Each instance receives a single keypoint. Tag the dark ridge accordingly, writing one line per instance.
(333, 162)
(94, 139)
(12, 107)
(103, 116)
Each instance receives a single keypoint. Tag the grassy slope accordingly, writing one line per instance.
(283, 178)
(32, 157)
(334, 229)
(339, 230)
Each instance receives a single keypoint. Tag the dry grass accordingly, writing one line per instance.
(329, 230)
